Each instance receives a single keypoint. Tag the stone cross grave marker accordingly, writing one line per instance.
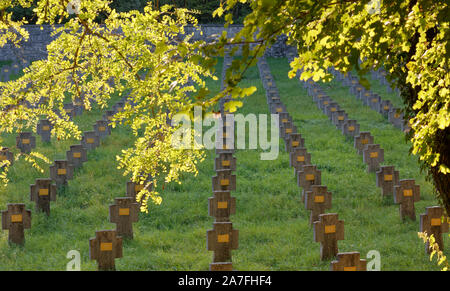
(123, 213)
(406, 194)
(434, 222)
(105, 247)
(70, 110)
(294, 141)
(118, 107)
(225, 161)
(277, 108)
(373, 155)
(42, 192)
(134, 188)
(338, 118)
(102, 129)
(350, 128)
(375, 100)
(324, 102)
(222, 239)
(6, 154)
(25, 142)
(348, 262)
(77, 155)
(387, 178)
(15, 219)
(327, 231)
(221, 206)
(395, 116)
(365, 97)
(90, 140)
(298, 158)
(61, 172)
(224, 181)
(308, 176)
(317, 200)
(286, 129)
(384, 107)
(360, 141)
(44, 128)
(108, 116)
(331, 108)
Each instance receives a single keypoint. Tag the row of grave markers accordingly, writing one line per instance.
(405, 191)
(373, 100)
(222, 239)
(328, 229)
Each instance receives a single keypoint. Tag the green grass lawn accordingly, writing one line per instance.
(273, 223)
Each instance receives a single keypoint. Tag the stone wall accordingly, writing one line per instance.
(36, 47)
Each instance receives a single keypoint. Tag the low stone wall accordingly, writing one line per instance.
(39, 37)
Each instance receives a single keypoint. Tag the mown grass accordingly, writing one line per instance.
(273, 223)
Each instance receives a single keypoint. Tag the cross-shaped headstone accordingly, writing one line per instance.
(221, 206)
(434, 222)
(102, 128)
(105, 248)
(225, 161)
(44, 128)
(350, 127)
(298, 158)
(317, 200)
(42, 192)
(90, 140)
(406, 194)
(222, 239)
(134, 188)
(286, 129)
(15, 219)
(123, 213)
(349, 262)
(69, 109)
(6, 154)
(224, 180)
(387, 178)
(25, 142)
(77, 155)
(324, 102)
(327, 231)
(395, 116)
(108, 116)
(365, 98)
(384, 107)
(308, 176)
(374, 101)
(360, 141)
(338, 118)
(277, 108)
(61, 172)
(373, 155)
(331, 108)
(294, 141)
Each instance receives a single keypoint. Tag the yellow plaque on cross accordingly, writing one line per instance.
(226, 163)
(319, 199)
(16, 218)
(222, 204)
(288, 130)
(25, 141)
(90, 140)
(330, 229)
(223, 238)
(138, 188)
(77, 155)
(333, 109)
(341, 118)
(124, 211)
(374, 155)
(309, 177)
(365, 141)
(224, 182)
(62, 171)
(350, 268)
(325, 102)
(295, 143)
(408, 193)
(105, 246)
(435, 222)
(300, 158)
(102, 128)
(43, 192)
(351, 128)
(46, 128)
(284, 120)
(388, 177)
(279, 109)
(374, 100)
(386, 107)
